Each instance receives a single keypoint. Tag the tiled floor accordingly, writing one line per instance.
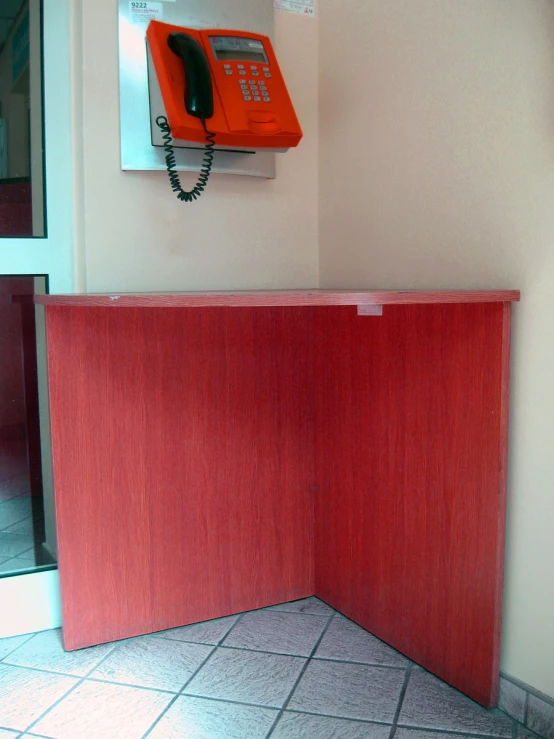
(18, 526)
(294, 671)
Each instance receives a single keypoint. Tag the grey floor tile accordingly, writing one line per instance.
(540, 717)
(403, 733)
(13, 545)
(247, 677)
(14, 510)
(523, 733)
(11, 643)
(304, 726)
(345, 640)
(29, 555)
(22, 527)
(306, 605)
(153, 663)
(277, 631)
(26, 694)
(4, 734)
(512, 699)
(103, 711)
(44, 651)
(430, 703)
(199, 718)
(349, 691)
(207, 632)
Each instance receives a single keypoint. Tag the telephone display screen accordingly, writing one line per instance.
(235, 48)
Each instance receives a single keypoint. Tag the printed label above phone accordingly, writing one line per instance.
(306, 7)
(144, 12)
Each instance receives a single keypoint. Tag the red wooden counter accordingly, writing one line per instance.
(219, 452)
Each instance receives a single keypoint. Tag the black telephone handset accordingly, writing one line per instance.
(199, 102)
(199, 97)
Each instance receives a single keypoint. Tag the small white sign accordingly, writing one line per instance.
(306, 7)
(144, 12)
(370, 310)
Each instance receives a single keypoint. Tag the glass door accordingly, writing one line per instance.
(37, 176)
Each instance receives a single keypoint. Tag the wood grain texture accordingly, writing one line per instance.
(188, 442)
(411, 428)
(263, 298)
(183, 457)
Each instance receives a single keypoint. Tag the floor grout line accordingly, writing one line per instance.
(187, 682)
(68, 692)
(400, 701)
(300, 676)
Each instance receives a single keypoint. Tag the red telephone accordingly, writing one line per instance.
(230, 78)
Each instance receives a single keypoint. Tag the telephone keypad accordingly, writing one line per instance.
(252, 89)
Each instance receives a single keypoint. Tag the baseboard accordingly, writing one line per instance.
(529, 706)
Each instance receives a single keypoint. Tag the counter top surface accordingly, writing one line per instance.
(309, 297)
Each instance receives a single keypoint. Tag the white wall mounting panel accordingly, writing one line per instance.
(137, 151)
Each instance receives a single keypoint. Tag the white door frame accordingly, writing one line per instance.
(33, 601)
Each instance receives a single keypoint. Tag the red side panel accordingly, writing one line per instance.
(412, 419)
(183, 462)
(187, 442)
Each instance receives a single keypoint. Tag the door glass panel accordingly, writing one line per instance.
(27, 538)
(22, 199)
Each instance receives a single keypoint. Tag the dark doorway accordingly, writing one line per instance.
(22, 516)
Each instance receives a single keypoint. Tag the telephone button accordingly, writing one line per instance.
(253, 66)
(255, 74)
(252, 82)
(247, 97)
(228, 71)
(266, 69)
(240, 66)
(226, 66)
(257, 99)
(267, 100)
(267, 74)
(242, 71)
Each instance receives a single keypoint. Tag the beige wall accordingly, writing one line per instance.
(244, 232)
(437, 170)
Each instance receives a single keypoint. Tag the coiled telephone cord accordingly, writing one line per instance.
(171, 163)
